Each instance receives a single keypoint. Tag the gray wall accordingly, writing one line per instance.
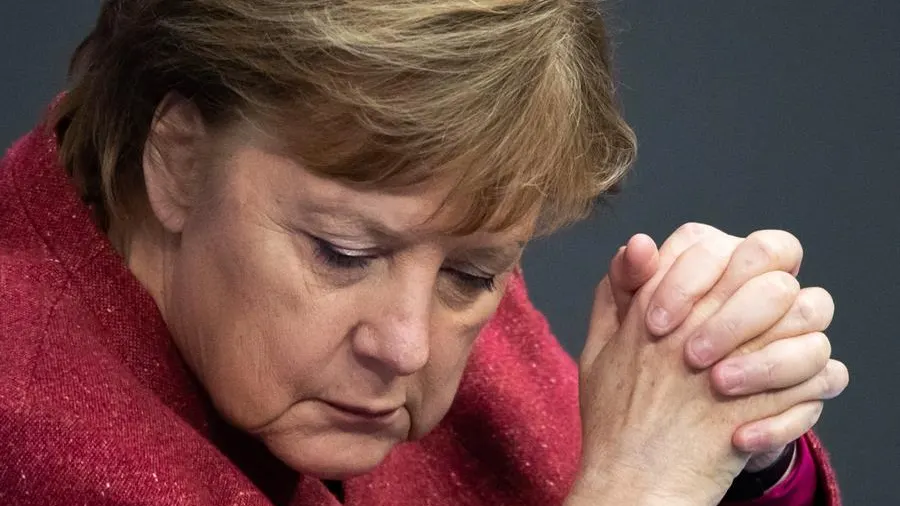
(768, 114)
(750, 115)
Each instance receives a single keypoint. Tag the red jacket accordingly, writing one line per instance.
(96, 406)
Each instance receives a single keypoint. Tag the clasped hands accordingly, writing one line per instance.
(756, 363)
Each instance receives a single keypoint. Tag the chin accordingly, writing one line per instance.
(332, 457)
(337, 472)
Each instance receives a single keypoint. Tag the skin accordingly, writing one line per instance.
(301, 302)
(663, 434)
(280, 327)
(705, 267)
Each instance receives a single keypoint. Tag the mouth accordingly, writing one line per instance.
(371, 413)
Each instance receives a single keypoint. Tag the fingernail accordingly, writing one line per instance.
(659, 318)
(732, 377)
(754, 439)
(702, 350)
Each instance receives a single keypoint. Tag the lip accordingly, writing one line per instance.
(367, 413)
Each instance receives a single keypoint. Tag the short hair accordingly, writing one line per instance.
(513, 100)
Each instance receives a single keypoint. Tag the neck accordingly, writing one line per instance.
(147, 249)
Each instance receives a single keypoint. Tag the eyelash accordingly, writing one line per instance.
(334, 258)
(331, 256)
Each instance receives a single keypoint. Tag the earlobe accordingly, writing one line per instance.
(171, 161)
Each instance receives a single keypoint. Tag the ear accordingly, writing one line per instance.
(172, 155)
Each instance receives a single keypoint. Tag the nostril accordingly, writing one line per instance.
(400, 350)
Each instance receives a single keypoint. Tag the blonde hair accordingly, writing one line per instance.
(513, 100)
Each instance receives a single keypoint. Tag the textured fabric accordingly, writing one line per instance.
(797, 489)
(97, 408)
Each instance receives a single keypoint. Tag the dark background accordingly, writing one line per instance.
(750, 115)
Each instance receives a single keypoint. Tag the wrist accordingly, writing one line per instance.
(631, 487)
(621, 495)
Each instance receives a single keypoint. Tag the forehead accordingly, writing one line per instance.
(425, 210)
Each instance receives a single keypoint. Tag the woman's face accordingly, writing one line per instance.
(332, 323)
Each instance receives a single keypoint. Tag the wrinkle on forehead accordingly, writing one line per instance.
(412, 212)
(423, 210)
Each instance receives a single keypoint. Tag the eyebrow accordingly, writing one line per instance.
(498, 257)
(336, 216)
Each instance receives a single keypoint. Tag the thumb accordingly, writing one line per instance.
(603, 323)
(631, 267)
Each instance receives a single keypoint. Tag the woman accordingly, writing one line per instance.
(264, 252)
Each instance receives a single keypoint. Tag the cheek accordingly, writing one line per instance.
(453, 338)
(252, 324)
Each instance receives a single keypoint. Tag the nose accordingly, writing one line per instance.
(397, 332)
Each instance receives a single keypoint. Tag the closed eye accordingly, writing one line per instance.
(472, 281)
(340, 258)
(346, 259)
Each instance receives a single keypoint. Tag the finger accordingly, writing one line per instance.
(777, 431)
(603, 323)
(692, 276)
(616, 271)
(754, 308)
(683, 238)
(781, 364)
(633, 265)
(827, 384)
(641, 260)
(813, 311)
(763, 251)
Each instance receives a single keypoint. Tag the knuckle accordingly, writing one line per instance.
(677, 293)
(822, 346)
(802, 420)
(782, 285)
(815, 308)
(762, 251)
(792, 244)
(694, 232)
(839, 378)
(832, 380)
(694, 229)
(746, 349)
(777, 244)
(808, 308)
(823, 386)
(771, 249)
(719, 246)
(730, 328)
(769, 372)
(815, 413)
(824, 307)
